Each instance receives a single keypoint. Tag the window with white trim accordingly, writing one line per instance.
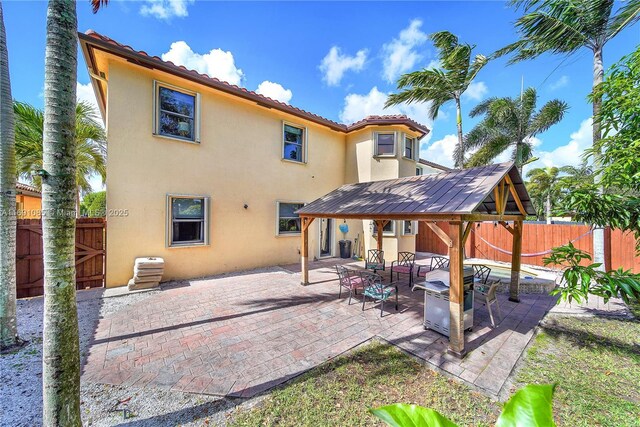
(176, 113)
(288, 219)
(389, 229)
(419, 171)
(294, 141)
(409, 228)
(188, 220)
(409, 148)
(385, 144)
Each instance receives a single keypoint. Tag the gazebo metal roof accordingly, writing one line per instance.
(466, 193)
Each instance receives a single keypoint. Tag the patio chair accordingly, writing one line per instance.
(480, 273)
(377, 291)
(436, 262)
(350, 280)
(404, 265)
(490, 298)
(375, 260)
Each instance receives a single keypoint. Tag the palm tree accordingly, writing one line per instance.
(60, 355)
(8, 324)
(565, 27)
(91, 142)
(510, 123)
(547, 185)
(439, 86)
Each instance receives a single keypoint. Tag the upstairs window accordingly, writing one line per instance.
(188, 220)
(419, 171)
(288, 220)
(176, 113)
(385, 144)
(293, 143)
(409, 147)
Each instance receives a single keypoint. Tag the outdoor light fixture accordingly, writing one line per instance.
(246, 206)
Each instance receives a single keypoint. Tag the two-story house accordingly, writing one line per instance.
(209, 175)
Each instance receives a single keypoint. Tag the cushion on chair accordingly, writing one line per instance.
(401, 269)
(378, 293)
(375, 265)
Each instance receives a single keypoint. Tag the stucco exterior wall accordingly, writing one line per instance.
(28, 207)
(238, 162)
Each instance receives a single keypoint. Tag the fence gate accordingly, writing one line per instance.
(90, 253)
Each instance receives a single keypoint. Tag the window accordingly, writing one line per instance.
(176, 113)
(188, 221)
(409, 147)
(418, 171)
(288, 220)
(385, 144)
(388, 230)
(293, 144)
(409, 228)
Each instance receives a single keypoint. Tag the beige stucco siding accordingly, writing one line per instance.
(238, 162)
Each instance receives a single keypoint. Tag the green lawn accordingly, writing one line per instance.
(596, 363)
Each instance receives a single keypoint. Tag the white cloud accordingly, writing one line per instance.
(561, 82)
(274, 91)
(568, 154)
(440, 151)
(356, 107)
(400, 55)
(85, 93)
(217, 63)
(166, 9)
(476, 91)
(335, 64)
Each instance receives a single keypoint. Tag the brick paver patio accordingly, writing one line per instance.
(242, 334)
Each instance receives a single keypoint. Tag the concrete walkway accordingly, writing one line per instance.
(241, 334)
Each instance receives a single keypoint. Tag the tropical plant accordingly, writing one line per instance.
(618, 206)
(578, 281)
(8, 324)
(91, 144)
(510, 123)
(60, 338)
(546, 187)
(440, 85)
(564, 27)
(94, 204)
(530, 406)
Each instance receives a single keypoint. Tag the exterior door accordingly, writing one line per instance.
(326, 237)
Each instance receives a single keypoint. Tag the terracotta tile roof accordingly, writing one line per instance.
(26, 187)
(139, 57)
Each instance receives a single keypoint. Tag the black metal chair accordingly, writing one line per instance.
(436, 262)
(404, 265)
(377, 291)
(350, 280)
(375, 260)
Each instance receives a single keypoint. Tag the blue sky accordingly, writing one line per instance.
(281, 48)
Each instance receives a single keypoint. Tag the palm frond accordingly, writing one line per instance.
(628, 14)
(492, 149)
(97, 4)
(551, 113)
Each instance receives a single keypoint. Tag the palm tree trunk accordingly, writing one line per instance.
(598, 77)
(8, 325)
(548, 208)
(459, 160)
(61, 356)
(77, 201)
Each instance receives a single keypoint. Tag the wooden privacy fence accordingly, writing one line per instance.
(489, 240)
(90, 253)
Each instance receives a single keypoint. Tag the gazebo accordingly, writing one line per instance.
(461, 198)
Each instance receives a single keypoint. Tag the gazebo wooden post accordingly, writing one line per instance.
(379, 225)
(516, 253)
(304, 249)
(456, 289)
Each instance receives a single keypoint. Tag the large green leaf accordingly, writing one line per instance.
(531, 406)
(403, 415)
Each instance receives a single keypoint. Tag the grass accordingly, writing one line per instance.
(595, 361)
(340, 392)
(596, 364)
